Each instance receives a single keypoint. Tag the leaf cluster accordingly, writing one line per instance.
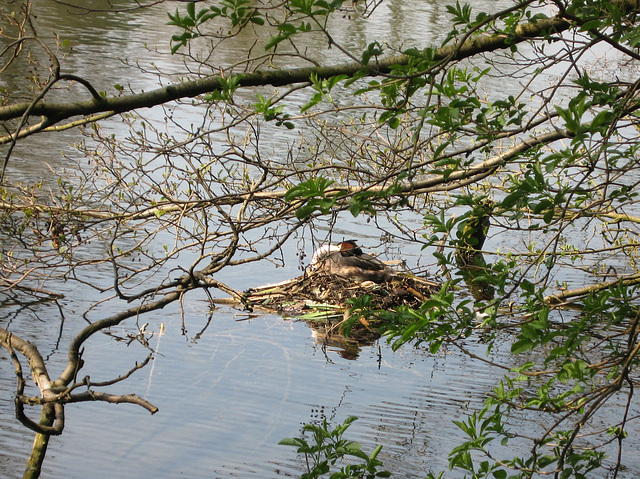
(237, 12)
(328, 449)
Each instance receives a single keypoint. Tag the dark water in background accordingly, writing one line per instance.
(227, 398)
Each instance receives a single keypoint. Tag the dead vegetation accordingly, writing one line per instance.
(325, 301)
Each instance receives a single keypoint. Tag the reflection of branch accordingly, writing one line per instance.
(23, 121)
(88, 383)
(74, 363)
(55, 394)
(185, 283)
(52, 398)
(36, 291)
(58, 392)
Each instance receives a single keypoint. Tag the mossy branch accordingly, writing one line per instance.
(56, 111)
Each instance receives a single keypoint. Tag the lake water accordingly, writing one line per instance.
(230, 389)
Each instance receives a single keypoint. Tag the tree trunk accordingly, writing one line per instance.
(40, 443)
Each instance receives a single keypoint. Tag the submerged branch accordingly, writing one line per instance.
(185, 283)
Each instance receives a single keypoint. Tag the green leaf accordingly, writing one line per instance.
(500, 474)
(522, 345)
(291, 442)
(393, 122)
(305, 211)
(273, 41)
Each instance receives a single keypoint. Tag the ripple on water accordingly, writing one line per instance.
(227, 401)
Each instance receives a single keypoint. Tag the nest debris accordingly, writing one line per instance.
(320, 290)
(320, 299)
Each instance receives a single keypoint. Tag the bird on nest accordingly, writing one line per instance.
(347, 260)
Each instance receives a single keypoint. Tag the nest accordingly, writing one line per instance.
(321, 299)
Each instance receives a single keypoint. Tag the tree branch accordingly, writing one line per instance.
(57, 112)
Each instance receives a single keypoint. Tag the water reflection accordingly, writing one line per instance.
(251, 383)
(332, 341)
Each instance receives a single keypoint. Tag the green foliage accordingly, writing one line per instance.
(531, 191)
(461, 18)
(238, 12)
(472, 232)
(313, 194)
(434, 323)
(359, 307)
(373, 50)
(227, 87)
(482, 429)
(437, 119)
(368, 201)
(407, 79)
(550, 171)
(322, 90)
(329, 449)
(265, 108)
(309, 15)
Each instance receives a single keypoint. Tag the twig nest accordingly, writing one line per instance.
(320, 286)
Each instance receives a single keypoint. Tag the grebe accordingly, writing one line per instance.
(346, 259)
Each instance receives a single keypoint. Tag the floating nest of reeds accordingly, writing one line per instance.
(298, 294)
(322, 300)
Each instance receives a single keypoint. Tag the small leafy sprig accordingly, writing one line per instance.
(314, 193)
(328, 447)
(239, 12)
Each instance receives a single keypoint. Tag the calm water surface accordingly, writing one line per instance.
(228, 397)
